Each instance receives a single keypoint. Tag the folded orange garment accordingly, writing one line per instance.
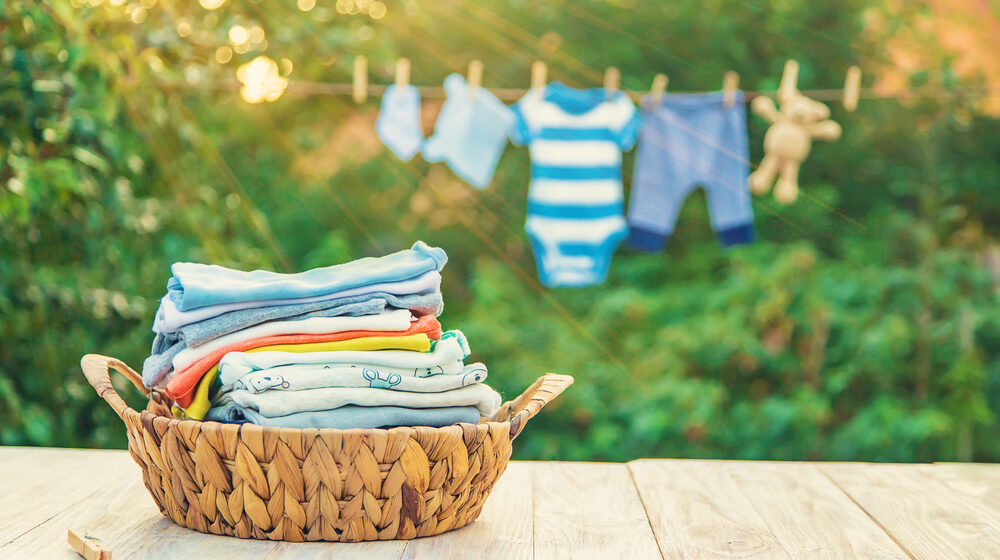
(182, 386)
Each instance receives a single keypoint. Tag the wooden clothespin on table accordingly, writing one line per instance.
(87, 546)
(539, 74)
(402, 72)
(730, 83)
(658, 88)
(475, 76)
(359, 84)
(612, 78)
(852, 88)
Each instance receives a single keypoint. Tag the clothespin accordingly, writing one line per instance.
(538, 74)
(359, 90)
(852, 88)
(789, 80)
(402, 72)
(612, 77)
(475, 76)
(659, 87)
(730, 83)
(87, 546)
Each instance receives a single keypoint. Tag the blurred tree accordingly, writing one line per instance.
(864, 324)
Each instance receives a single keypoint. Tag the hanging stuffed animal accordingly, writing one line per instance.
(789, 138)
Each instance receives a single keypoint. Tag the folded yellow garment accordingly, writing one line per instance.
(201, 402)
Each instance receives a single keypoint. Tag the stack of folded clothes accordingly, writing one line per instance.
(355, 345)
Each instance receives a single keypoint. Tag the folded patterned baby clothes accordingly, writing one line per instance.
(282, 403)
(452, 347)
(166, 346)
(350, 417)
(169, 318)
(375, 377)
(181, 387)
(195, 285)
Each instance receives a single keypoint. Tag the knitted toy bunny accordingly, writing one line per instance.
(788, 141)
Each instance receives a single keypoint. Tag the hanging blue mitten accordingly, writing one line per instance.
(398, 123)
(470, 132)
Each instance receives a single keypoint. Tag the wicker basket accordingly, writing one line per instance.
(311, 485)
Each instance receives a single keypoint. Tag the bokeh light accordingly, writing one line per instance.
(238, 35)
(306, 5)
(211, 4)
(261, 80)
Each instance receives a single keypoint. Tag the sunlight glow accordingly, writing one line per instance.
(261, 81)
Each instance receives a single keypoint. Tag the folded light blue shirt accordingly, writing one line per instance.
(195, 285)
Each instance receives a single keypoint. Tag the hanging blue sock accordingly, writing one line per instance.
(398, 123)
(470, 132)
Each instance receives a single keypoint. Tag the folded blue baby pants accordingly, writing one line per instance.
(691, 140)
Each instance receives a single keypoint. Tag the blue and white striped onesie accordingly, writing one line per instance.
(575, 202)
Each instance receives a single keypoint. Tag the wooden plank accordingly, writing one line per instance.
(698, 511)
(503, 530)
(809, 515)
(113, 514)
(44, 483)
(924, 516)
(589, 510)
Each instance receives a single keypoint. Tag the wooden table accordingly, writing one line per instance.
(643, 509)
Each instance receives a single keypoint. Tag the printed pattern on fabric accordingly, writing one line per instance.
(687, 141)
(575, 203)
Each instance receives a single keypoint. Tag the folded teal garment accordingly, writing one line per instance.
(196, 285)
(349, 417)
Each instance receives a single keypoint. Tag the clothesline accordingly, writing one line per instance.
(308, 88)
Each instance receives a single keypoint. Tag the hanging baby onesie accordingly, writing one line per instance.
(687, 141)
(470, 132)
(575, 204)
(398, 123)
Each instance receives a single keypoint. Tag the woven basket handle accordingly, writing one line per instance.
(97, 369)
(527, 405)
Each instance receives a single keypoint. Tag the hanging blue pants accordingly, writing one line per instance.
(691, 140)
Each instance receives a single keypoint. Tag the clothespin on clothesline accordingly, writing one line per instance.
(789, 80)
(658, 88)
(402, 72)
(852, 88)
(612, 77)
(87, 546)
(730, 83)
(475, 76)
(359, 84)
(539, 74)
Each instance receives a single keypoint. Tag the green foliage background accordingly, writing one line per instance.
(863, 325)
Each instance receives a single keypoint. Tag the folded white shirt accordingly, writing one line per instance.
(299, 378)
(281, 403)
